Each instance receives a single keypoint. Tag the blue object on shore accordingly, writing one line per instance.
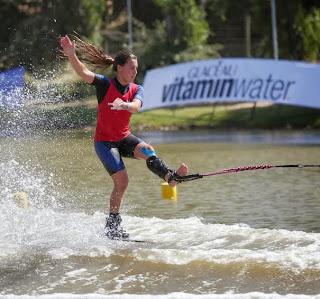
(11, 85)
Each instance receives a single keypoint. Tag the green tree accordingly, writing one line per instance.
(33, 40)
(298, 27)
(309, 29)
(227, 20)
(182, 35)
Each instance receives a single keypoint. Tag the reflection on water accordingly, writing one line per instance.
(248, 137)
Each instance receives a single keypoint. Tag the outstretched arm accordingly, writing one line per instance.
(69, 49)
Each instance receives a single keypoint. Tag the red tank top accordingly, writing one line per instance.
(113, 125)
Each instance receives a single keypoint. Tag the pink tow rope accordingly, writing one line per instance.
(195, 176)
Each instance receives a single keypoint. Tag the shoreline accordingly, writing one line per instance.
(239, 116)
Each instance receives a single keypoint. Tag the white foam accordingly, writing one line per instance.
(187, 240)
(48, 228)
(252, 295)
(175, 241)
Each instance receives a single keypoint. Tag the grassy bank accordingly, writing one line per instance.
(231, 116)
(235, 116)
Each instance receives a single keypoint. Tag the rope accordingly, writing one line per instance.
(196, 176)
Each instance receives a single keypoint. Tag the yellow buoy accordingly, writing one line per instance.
(21, 199)
(168, 192)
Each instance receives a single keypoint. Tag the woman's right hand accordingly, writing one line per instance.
(69, 49)
(67, 45)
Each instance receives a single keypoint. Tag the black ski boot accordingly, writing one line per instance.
(113, 230)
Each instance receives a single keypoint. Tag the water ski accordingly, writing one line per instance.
(130, 240)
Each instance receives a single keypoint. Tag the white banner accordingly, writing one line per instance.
(233, 79)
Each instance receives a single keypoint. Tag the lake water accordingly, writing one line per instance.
(254, 234)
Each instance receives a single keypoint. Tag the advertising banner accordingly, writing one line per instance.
(233, 80)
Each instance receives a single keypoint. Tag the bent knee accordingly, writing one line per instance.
(144, 151)
(148, 151)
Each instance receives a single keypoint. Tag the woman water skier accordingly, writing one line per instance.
(118, 98)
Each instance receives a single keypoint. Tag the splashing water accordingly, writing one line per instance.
(38, 112)
(37, 184)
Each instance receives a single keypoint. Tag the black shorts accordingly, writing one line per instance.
(110, 153)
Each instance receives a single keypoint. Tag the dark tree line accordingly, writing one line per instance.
(164, 31)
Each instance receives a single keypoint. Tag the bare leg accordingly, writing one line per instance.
(113, 230)
(120, 181)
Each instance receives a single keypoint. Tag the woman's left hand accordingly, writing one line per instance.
(119, 104)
